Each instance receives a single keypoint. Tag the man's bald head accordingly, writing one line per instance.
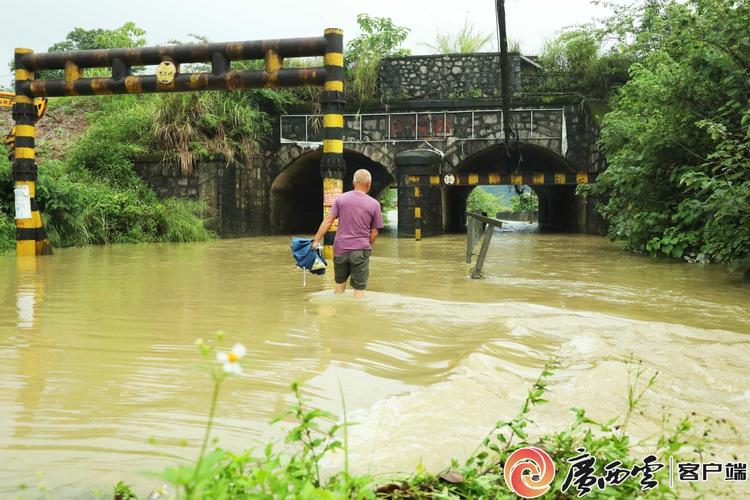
(362, 180)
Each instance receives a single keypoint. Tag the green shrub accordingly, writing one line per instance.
(465, 41)
(578, 60)
(119, 133)
(184, 221)
(78, 209)
(7, 208)
(7, 233)
(95, 196)
(525, 201)
(380, 38)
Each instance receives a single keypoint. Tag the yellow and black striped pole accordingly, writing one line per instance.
(31, 239)
(332, 100)
(417, 213)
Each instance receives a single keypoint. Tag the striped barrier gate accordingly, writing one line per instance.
(419, 182)
(31, 239)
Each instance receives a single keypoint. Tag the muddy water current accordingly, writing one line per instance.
(100, 380)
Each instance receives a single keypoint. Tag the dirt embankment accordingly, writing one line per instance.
(64, 121)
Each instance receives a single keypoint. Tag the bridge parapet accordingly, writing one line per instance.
(448, 76)
(542, 126)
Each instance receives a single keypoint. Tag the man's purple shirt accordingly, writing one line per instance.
(358, 213)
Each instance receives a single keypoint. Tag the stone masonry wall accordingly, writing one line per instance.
(445, 76)
(236, 194)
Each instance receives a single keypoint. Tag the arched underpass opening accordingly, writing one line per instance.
(297, 192)
(557, 203)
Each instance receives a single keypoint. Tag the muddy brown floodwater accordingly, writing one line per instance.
(99, 378)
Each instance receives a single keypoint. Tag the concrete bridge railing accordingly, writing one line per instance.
(545, 126)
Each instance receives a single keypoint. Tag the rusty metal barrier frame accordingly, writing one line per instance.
(31, 239)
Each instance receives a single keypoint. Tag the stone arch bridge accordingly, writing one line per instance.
(448, 104)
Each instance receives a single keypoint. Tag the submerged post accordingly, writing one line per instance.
(476, 272)
(492, 223)
(473, 232)
(31, 239)
(333, 167)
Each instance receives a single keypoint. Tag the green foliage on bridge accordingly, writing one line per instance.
(380, 37)
(579, 61)
(678, 137)
(466, 41)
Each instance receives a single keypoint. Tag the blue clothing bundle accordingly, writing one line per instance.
(306, 257)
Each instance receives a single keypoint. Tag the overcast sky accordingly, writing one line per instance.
(49, 21)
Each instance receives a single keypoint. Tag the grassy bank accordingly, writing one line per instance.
(293, 470)
(88, 191)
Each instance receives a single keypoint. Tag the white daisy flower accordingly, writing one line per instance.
(231, 359)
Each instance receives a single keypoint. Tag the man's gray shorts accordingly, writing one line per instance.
(355, 264)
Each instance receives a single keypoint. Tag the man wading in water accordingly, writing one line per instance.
(359, 222)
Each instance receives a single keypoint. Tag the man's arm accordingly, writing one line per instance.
(323, 229)
(376, 224)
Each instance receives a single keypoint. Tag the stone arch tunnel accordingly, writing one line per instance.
(557, 204)
(297, 192)
(457, 110)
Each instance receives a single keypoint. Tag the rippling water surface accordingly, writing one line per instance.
(97, 350)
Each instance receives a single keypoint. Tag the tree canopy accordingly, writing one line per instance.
(677, 139)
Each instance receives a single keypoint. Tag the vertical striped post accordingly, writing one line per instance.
(417, 214)
(31, 239)
(332, 101)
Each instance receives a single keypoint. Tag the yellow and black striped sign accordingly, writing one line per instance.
(519, 179)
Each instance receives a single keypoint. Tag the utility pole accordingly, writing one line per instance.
(505, 73)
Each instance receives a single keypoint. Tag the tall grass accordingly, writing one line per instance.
(81, 210)
(184, 221)
(194, 125)
(465, 41)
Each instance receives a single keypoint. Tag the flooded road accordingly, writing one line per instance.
(100, 380)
